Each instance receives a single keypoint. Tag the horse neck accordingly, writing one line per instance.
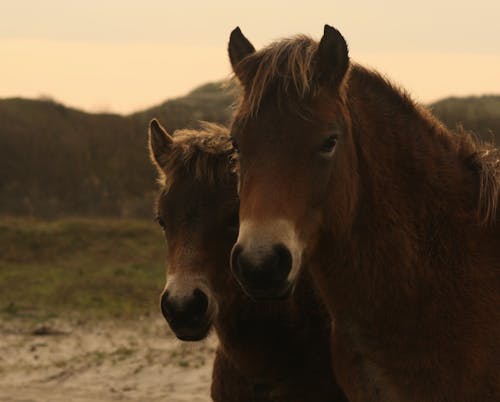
(404, 149)
(412, 166)
(416, 193)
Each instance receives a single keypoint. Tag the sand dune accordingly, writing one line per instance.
(101, 361)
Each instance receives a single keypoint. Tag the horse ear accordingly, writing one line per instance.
(160, 143)
(239, 47)
(332, 59)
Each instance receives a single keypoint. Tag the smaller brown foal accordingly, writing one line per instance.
(268, 351)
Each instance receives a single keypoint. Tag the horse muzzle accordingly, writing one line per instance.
(190, 318)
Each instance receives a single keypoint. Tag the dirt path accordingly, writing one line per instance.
(100, 362)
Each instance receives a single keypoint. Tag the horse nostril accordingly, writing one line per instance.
(199, 303)
(282, 263)
(166, 307)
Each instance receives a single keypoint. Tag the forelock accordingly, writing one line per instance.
(203, 154)
(284, 69)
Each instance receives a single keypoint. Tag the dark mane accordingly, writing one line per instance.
(203, 154)
(381, 90)
(482, 157)
(485, 159)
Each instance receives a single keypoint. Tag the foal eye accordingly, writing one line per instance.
(233, 223)
(329, 144)
(160, 221)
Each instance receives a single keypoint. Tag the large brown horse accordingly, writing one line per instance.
(394, 214)
(267, 351)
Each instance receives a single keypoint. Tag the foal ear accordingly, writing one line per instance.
(160, 143)
(332, 59)
(239, 47)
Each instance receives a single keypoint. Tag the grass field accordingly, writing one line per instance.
(107, 268)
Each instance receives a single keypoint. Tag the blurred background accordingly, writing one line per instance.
(81, 260)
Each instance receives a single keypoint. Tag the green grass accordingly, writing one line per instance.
(92, 267)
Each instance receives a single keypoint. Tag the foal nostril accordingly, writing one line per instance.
(165, 305)
(198, 305)
(283, 263)
(186, 310)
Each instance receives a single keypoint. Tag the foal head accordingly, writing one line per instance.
(295, 155)
(197, 209)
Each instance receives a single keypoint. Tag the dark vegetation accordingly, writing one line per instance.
(480, 115)
(57, 162)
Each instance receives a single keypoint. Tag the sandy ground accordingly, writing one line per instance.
(75, 361)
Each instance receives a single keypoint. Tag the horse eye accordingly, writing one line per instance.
(235, 145)
(329, 144)
(160, 221)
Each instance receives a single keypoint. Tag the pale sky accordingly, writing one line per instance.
(125, 55)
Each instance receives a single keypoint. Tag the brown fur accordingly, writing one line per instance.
(399, 226)
(265, 352)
